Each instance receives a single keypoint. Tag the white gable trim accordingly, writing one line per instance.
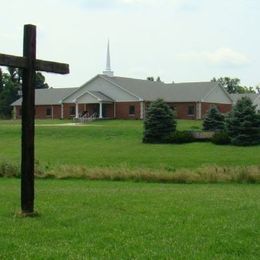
(128, 92)
(87, 92)
(61, 101)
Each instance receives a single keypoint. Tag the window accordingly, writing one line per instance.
(212, 106)
(48, 111)
(131, 110)
(173, 108)
(20, 112)
(72, 111)
(191, 110)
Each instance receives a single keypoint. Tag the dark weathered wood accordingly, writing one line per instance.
(12, 61)
(28, 108)
(50, 66)
(29, 64)
(40, 65)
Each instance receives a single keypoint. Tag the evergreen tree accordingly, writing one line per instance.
(1, 80)
(243, 124)
(214, 120)
(159, 123)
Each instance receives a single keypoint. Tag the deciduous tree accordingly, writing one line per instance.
(232, 85)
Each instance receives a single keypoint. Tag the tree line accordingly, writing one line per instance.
(11, 86)
(233, 86)
(240, 127)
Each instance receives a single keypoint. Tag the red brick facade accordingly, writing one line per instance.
(223, 108)
(128, 110)
(122, 110)
(43, 112)
(184, 110)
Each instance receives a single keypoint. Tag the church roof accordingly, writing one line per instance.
(174, 92)
(137, 88)
(50, 96)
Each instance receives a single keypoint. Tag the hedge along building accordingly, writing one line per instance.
(108, 96)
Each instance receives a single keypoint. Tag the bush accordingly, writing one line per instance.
(8, 169)
(221, 138)
(159, 123)
(214, 120)
(181, 137)
(243, 124)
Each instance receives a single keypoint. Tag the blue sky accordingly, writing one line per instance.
(178, 40)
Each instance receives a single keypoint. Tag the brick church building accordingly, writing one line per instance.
(109, 96)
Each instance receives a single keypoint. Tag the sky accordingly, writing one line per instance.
(178, 40)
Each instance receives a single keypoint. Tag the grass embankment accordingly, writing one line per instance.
(114, 150)
(115, 220)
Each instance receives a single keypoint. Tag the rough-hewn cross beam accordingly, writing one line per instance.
(29, 64)
(40, 65)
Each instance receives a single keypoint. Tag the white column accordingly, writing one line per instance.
(62, 113)
(141, 110)
(14, 112)
(100, 110)
(77, 110)
(198, 110)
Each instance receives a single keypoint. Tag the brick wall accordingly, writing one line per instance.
(41, 112)
(67, 110)
(122, 110)
(182, 110)
(223, 108)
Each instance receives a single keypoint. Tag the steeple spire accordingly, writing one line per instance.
(108, 70)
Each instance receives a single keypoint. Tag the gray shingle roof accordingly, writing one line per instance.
(144, 89)
(175, 92)
(51, 96)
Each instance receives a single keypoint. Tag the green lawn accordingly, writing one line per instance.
(118, 143)
(123, 220)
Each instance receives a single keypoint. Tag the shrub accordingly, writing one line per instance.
(8, 169)
(221, 138)
(214, 120)
(181, 137)
(159, 123)
(243, 124)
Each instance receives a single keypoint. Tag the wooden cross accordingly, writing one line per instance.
(29, 65)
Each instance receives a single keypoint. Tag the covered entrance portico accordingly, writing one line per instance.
(94, 103)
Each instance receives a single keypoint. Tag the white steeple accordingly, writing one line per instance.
(108, 71)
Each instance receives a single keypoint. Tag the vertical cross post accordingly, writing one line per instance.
(29, 65)
(28, 108)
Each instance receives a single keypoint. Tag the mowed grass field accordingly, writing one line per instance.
(118, 143)
(82, 219)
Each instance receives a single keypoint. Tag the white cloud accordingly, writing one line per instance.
(145, 35)
(226, 56)
(220, 57)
